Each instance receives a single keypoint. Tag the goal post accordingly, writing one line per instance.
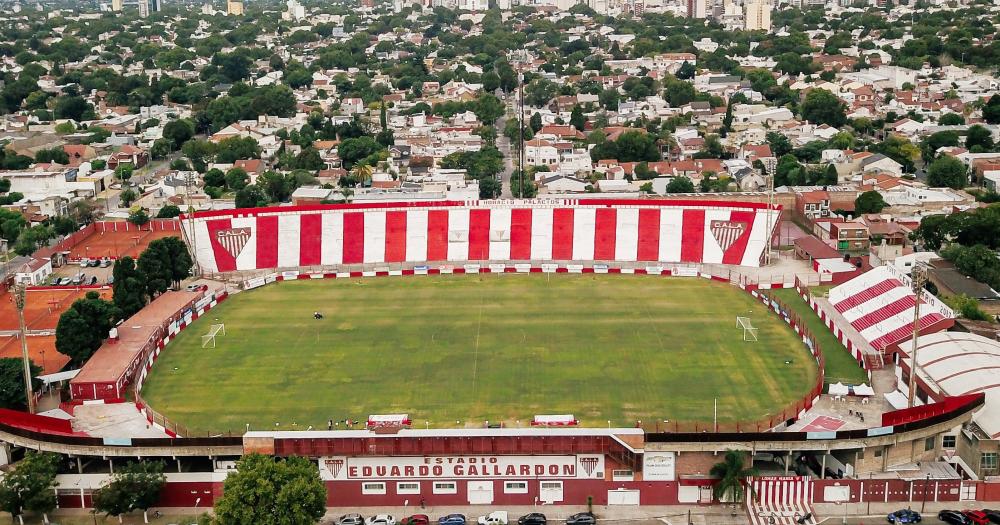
(749, 332)
(208, 340)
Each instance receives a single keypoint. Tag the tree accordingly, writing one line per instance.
(136, 486)
(164, 264)
(129, 291)
(680, 184)
(214, 177)
(941, 139)
(161, 148)
(609, 99)
(178, 131)
(237, 178)
(354, 150)
(488, 108)
(231, 149)
(83, 327)
(251, 197)
(127, 197)
(951, 119)
(535, 122)
(947, 171)
(489, 188)
(73, 108)
(528, 191)
(991, 111)
(124, 172)
(138, 217)
(264, 489)
(576, 118)
(780, 145)
(63, 225)
(980, 138)
(823, 107)
(491, 81)
(869, 202)
(686, 71)
(732, 474)
(30, 485)
(168, 212)
(56, 155)
(12, 394)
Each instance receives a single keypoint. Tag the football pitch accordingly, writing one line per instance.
(459, 350)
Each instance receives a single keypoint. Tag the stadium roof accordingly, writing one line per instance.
(957, 363)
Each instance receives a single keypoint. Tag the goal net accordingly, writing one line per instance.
(208, 340)
(749, 332)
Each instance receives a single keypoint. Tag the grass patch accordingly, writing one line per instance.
(459, 350)
(840, 364)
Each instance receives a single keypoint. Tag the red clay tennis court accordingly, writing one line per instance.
(115, 244)
(823, 424)
(41, 351)
(43, 306)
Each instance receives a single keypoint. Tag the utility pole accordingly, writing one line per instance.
(188, 181)
(20, 290)
(770, 209)
(919, 276)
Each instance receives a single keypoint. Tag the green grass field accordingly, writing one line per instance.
(458, 350)
(840, 365)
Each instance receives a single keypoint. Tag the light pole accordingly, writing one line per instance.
(919, 277)
(20, 290)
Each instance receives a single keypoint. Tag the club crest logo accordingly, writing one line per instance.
(334, 466)
(589, 464)
(726, 232)
(233, 239)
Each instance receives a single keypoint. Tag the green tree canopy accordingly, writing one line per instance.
(264, 489)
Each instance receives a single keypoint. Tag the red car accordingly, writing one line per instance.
(416, 519)
(976, 517)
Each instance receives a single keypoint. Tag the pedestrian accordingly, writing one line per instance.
(423, 503)
(329, 425)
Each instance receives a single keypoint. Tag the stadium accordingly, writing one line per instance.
(494, 352)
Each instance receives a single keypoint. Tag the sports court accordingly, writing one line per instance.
(115, 244)
(824, 424)
(41, 351)
(43, 306)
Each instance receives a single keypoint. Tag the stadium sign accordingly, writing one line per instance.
(585, 466)
(658, 466)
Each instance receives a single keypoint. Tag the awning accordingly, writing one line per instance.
(864, 390)
(897, 399)
(58, 376)
(838, 389)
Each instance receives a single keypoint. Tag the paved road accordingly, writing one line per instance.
(506, 147)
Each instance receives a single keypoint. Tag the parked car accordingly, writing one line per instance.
(94, 263)
(105, 262)
(976, 517)
(351, 519)
(111, 279)
(452, 519)
(992, 515)
(84, 263)
(904, 516)
(534, 518)
(416, 519)
(194, 288)
(582, 518)
(63, 281)
(953, 517)
(498, 517)
(381, 519)
(78, 279)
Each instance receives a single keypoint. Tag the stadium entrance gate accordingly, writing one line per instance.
(779, 500)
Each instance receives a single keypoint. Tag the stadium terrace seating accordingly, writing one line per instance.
(607, 230)
(879, 304)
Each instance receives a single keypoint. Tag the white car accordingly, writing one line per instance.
(381, 519)
(498, 517)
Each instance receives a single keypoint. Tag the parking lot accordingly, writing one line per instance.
(73, 270)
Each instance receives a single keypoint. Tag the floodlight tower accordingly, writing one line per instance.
(919, 276)
(20, 291)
